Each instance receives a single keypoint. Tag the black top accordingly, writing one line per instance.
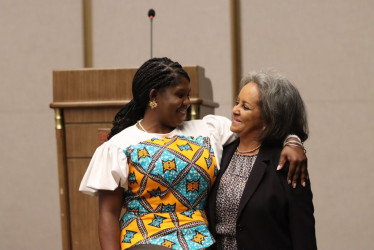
(272, 214)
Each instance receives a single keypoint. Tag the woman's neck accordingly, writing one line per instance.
(248, 146)
(151, 125)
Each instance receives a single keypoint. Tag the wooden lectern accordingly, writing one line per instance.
(85, 102)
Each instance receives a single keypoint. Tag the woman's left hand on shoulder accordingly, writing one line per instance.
(298, 168)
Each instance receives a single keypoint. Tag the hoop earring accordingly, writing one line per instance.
(152, 104)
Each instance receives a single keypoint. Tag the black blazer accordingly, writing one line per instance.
(272, 215)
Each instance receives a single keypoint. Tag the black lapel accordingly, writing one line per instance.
(227, 154)
(226, 158)
(255, 177)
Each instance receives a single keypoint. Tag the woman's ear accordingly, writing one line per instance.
(153, 94)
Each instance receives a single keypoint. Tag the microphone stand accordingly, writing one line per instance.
(151, 36)
(151, 15)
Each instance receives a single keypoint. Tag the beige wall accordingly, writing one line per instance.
(325, 47)
(36, 37)
(191, 32)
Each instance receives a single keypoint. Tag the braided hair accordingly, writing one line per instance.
(156, 73)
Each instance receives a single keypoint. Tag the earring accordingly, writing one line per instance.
(152, 104)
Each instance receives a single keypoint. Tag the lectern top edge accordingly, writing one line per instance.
(114, 68)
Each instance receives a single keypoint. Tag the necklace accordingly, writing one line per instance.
(247, 152)
(140, 125)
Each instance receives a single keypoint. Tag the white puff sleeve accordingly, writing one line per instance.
(107, 170)
(219, 128)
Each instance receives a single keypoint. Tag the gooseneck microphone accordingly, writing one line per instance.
(151, 15)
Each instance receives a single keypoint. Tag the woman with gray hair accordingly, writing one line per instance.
(251, 205)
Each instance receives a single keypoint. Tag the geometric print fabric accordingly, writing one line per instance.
(169, 180)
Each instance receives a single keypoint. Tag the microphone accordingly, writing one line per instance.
(151, 15)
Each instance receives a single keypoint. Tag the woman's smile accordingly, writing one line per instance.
(246, 113)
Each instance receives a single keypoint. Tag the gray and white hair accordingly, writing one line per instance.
(282, 109)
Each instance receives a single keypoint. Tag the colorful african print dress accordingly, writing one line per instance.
(166, 180)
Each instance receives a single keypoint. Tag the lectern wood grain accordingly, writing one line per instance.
(92, 85)
(82, 139)
(100, 114)
(63, 189)
(83, 209)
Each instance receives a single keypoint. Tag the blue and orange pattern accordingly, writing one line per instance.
(169, 180)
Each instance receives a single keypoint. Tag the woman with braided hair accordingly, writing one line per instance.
(158, 166)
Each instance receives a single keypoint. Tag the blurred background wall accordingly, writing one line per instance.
(325, 47)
